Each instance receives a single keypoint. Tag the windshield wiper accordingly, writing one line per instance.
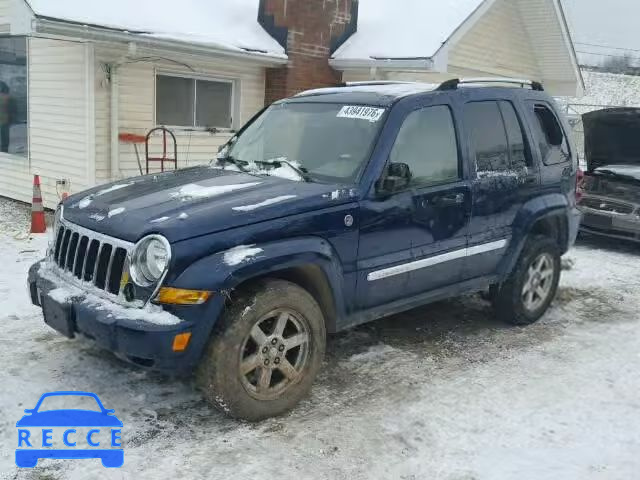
(228, 159)
(302, 172)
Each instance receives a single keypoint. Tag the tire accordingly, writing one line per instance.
(517, 306)
(257, 329)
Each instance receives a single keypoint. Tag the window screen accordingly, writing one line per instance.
(190, 102)
(488, 136)
(553, 145)
(427, 144)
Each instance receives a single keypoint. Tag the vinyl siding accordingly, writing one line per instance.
(5, 14)
(498, 44)
(58, 112)
(137, 107)
(545, 31)
(58, 127)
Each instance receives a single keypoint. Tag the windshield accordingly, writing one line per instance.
(329, 142)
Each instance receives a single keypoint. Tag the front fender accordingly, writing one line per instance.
(217, 273)
(530, 213)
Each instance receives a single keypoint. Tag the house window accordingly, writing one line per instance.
(193, 102)
(13, 96)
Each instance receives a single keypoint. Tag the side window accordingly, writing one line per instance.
(548, 133)
(488, 137)
(520, 158)
(427, 144)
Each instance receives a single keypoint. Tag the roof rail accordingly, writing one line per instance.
(455, 82)
(374, 82)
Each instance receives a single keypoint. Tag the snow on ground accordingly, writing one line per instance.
(444, 392)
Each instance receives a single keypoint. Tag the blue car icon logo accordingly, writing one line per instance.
(69, 433)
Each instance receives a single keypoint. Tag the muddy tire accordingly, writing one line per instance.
(265, 352)
(528, 292)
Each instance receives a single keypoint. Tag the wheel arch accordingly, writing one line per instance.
(546, 216)
(309, 262)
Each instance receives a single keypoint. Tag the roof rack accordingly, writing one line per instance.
(374, 82)
(455, 82)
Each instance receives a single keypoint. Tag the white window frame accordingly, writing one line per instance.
(234, 106)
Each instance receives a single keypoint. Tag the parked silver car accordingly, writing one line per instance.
(611, 185)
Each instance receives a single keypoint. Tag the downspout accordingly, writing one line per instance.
(115, 114)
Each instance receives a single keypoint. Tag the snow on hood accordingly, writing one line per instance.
(416, 30)
(237, 255)
(198, 201)
(228, 24)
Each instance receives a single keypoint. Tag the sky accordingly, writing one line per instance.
(599, 25)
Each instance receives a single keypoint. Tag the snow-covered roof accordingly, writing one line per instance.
(224, 24)
(604, 90)
(415, 30)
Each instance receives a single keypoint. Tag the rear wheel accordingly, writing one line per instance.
(266, 352)
(528, 292)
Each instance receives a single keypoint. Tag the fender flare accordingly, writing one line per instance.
(533, 211)
(215, 273)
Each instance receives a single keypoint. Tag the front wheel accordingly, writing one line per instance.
(265, 353)
(528, 292)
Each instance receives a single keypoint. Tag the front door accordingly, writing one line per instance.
(413, 241)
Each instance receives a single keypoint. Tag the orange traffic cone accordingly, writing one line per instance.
(38, 224)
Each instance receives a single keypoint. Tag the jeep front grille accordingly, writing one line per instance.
(91, 257)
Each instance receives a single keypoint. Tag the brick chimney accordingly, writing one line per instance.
(310, 31)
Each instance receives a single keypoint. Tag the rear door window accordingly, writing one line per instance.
(518, 152)
(488, 137)
(548, 134)
(497, 137)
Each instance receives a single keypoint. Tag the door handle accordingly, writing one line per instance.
(450, 200)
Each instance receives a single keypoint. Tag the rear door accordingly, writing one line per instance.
(505, 178)
(414, 241)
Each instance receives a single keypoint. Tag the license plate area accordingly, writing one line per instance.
(57, 316)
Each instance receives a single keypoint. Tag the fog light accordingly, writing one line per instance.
(181, 342)
(179, 296)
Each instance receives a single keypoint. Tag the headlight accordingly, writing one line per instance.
(150, 260)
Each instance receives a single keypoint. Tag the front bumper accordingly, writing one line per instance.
(135, 340)
(623, 227)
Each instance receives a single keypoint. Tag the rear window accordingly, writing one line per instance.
(549, 136)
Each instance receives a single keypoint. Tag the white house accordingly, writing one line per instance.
(433, 41)
(81, 73)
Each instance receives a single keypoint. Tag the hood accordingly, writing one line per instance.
(612, 137)
(195, 201)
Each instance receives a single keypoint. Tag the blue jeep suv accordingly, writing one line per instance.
(327, 210)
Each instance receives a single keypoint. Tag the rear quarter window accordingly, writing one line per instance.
(548, 134)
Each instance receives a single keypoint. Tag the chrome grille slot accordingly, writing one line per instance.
(611, 206)
(90, 257)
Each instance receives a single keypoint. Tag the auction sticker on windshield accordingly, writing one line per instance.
(371, 114)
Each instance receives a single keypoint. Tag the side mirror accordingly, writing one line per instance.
(397, 178)
(29, 410)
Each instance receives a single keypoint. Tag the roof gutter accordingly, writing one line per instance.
(395, 64)
(102, 34)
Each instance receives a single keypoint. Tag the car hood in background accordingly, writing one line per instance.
(195, 201)
(612, 137)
